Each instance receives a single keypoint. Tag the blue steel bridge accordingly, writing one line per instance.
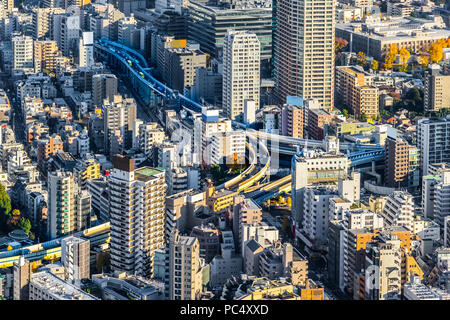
(136, 69)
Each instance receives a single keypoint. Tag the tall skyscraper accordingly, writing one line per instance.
(241, 72)
(137, 210)
(304, 50)
(75, 258)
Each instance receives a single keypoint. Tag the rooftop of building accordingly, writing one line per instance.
(147, 173)
(244, 5)
(59, 288)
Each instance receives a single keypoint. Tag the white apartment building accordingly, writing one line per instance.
(137, 210)
(229, 146)
(399, 210)
(75, 257)
(316, 205)
(261, 232)
(149, 135)
(209, 125)
(23, 54)
(432, 137)
(241, 72)
(86, 49)
(441, 207)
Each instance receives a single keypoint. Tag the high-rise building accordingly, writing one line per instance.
(208, 25)
(245, 211)
(137, 214)
(383, 268)
(104, 86)
(433, 135)
(118, 117)
(68, 207)
(316, 217)
(128, 6)
(23, 54)
(180, 66)
(292, 121)
(86, 50)
(304, 50)
(75, 257)
(241, 72)
(185, 273)
(42, 21)
(6, 6)
(128, 33)
(354, 91)
(441, 208)
(396, 162)
(66, 32)
(436, 94)
(45, 53)
(22, 275)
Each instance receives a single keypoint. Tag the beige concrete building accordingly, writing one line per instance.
(22, 275)
(304, 50)
(137, 212)
(436, 90)
(185, 268)
(180, 66)
(353, 91)
(396, 163)
(245, 211)
(42, 21)
(385, 257)
(45, 53)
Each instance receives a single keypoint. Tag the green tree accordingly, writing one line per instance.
(25, 225)
(345, 113)
(5, 201)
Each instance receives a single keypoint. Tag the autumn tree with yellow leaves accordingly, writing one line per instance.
(436, 52)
